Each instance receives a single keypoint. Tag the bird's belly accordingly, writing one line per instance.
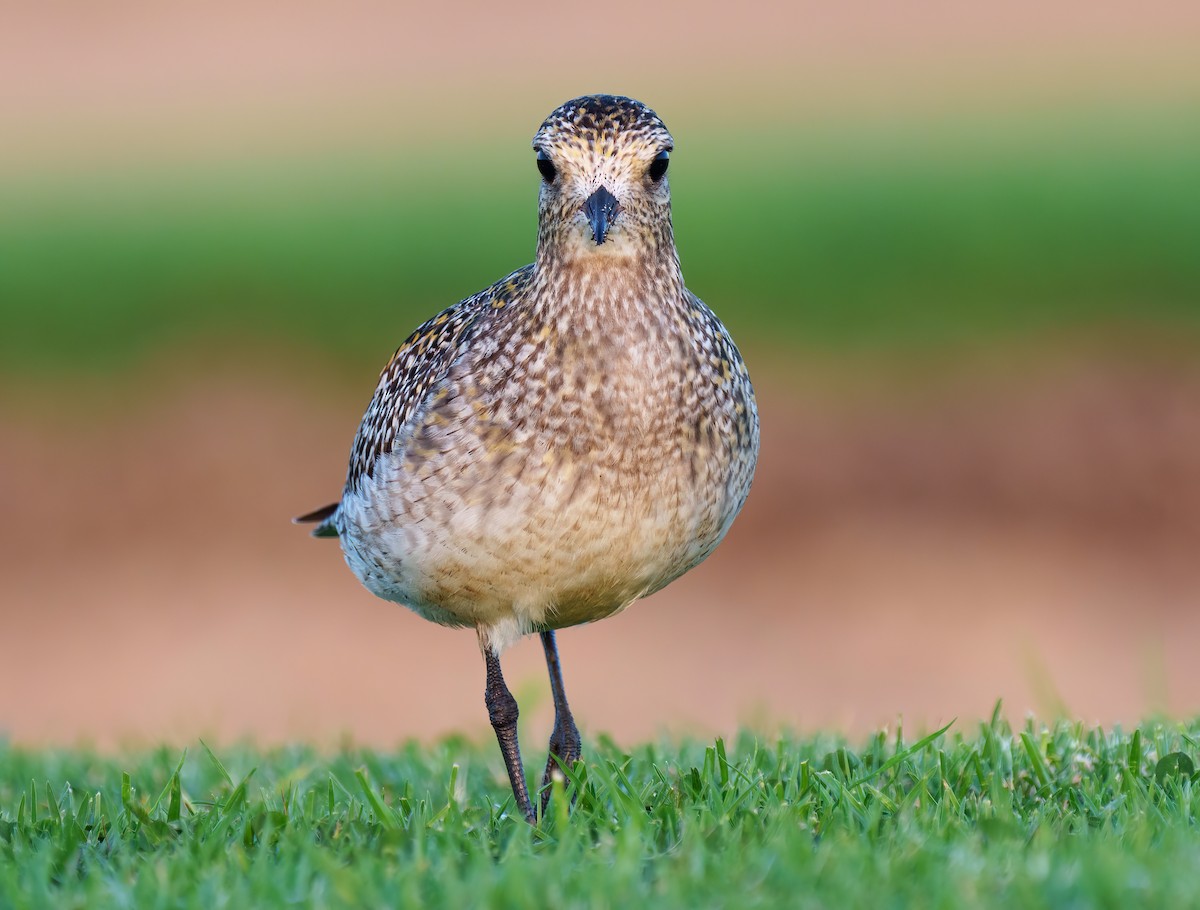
(565, 540)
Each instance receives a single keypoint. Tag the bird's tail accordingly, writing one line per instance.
(324, 516)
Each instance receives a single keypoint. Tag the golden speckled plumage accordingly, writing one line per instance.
(573, 437)
(564, 442)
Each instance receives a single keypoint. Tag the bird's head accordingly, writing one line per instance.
(603, 161)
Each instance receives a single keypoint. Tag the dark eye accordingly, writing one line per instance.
(658, 166)
(546, 166)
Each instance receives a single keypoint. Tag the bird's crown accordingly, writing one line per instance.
(598, 120)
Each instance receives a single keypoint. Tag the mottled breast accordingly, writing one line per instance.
(566, 461)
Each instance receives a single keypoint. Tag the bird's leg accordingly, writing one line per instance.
(564, 741)
(503, 712)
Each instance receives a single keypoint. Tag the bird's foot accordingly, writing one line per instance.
(565, 750)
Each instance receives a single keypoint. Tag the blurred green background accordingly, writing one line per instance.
(218, 220)
(910, 235)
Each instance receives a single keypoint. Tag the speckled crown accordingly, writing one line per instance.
(599, 119)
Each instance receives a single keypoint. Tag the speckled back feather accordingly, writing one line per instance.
(415, 370)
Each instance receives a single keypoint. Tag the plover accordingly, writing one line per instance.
(570, 439)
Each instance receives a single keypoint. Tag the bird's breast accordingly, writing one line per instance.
(563, 471)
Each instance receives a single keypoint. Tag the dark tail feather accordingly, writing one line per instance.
(323, 515)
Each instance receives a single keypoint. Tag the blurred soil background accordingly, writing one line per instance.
(959, 247)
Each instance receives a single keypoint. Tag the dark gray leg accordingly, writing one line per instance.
(503, 712)
(564, 741)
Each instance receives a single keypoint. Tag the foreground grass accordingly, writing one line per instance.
(1061, 816)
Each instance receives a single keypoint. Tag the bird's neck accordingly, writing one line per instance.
(602, 308)
(580, 270)
(622, 285)
(633, 247)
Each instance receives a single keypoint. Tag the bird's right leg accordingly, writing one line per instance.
(565, 747)
(503, 712)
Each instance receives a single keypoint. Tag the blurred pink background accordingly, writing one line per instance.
(1019, 523)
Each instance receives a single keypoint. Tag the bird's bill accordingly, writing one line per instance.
(600, 209)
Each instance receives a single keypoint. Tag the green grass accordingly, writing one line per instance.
(1066, 816)
(909, 236)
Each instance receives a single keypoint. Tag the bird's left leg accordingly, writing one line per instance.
(503, 713)
(564, 741)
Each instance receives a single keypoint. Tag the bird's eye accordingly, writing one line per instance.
(546, 166)
(658, 167)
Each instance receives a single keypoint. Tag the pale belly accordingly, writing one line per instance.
(568, 538)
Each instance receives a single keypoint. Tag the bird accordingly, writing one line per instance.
(564, 442)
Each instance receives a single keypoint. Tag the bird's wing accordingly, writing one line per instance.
(404, 384)
(407, 381)
(717, 341)
(416, 369)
